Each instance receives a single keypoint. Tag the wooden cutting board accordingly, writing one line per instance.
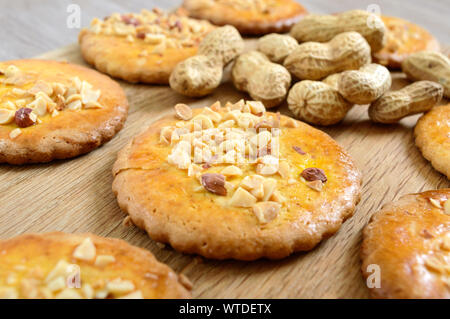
(75, 196)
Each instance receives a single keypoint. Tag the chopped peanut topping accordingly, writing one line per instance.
(435, 203)
(447, 207)
(154, 27)
(85, 251)
(266, 211)
(28, 106)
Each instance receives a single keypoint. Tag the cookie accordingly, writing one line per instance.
(432, 134)
(408, 243)
(55, 110)
(83, 266)
(141, 47)
(236, 182)
(403, 38)
(250, 17)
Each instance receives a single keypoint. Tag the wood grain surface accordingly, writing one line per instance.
(75, 196)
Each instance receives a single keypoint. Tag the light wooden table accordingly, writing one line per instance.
(75, 195)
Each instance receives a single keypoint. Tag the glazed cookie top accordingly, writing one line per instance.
(403, 38)
(248, 16)
(247, 171)
(75, 266)
(410, 241)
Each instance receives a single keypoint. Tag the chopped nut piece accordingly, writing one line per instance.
(8, 293)
(435, 203)
(242, 198)
(104, 260)
(68, 293)
(88, 291)
(256, 107)
(284, 169)
(133, 295)
(183, 112)
(252, 181)
(313, 173)
(316, 185)
(269, 185)
(41, 86)
(216, 106)
(57, 284)
(23, 117)
(226, 124)
(214, 116)
(447, 207)
(298, 150)
(61, 270)
(231, 171)
(14, 133)
(6, 116)
(266, 211)
(120, 286)
(214, 183)
(85, 251)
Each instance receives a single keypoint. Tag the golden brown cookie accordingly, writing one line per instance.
(54, 110)
(75, 266)
(432, 134)
(403, 38)
(408, 243)
(236, 182)
(248, 16)
(142, 47)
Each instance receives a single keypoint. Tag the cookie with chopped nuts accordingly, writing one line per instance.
(403, 39)
(142, 47)
(235, 181)
(55, 110)
(432, 134)
(83, 266)
(407, 244)
(252, 17)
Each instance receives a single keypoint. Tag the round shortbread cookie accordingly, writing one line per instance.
(432, 134)
(403, 38)
(408, 243)
(236, 182)
(75, 266)
(248, 16)
(55, 110)
(142, 47)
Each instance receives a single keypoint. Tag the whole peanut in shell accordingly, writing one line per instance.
(365, 85)
(415, 98)
(428, 65)
(264, 81)
(315, 61)
(318, 103)
(322, 28)
(277, 46)
(201, 74)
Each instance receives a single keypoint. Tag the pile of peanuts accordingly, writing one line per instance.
(330, 56)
